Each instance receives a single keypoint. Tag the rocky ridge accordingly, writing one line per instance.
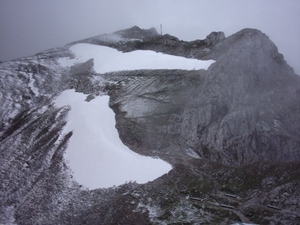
(231, 133)
(236, 112)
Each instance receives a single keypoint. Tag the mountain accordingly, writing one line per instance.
(231, 132)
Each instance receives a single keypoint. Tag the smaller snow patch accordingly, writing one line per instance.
(192, 153)
(31, 85)
(244, 224)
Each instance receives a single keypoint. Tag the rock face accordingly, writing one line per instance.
(244, 108)
(138, 33)
(231, 133)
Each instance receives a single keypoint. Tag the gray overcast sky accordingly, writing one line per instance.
(31, 26)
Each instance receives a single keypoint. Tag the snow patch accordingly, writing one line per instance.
(107, 59)
(95, 152)
(244, 224)
(113, 38)
(31, 85)
(192, 153)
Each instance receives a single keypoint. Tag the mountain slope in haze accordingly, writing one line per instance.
(231, 133)
(244, 108)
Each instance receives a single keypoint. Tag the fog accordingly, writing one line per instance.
(28, 27)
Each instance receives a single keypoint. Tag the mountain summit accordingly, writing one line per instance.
(229, 128)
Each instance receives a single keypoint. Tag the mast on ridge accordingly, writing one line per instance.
(160, 29)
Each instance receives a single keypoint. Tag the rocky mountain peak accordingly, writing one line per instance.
(252, 52)
(137, 33)
(231, 133)
(169, 40)
(215, 37)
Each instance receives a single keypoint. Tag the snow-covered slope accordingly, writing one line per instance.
(107, 59)
(95, 153)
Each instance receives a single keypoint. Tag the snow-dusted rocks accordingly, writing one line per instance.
(242, 111)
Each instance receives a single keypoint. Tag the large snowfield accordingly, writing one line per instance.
(95, 152)
(109, 59)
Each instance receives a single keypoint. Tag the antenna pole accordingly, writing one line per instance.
(160, 29)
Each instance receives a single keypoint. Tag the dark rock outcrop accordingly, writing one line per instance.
(138, 33)
(139, 39)
(172, 45)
